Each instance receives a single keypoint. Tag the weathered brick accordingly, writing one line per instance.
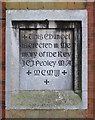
(48, 5)
(34, 5)
(71, 114)
(12, 5)
(80, 5)
(22, 5)
(0, 112)
(3, 9)
(60, 5)
(22, 114)
(71, 5)
(53, 114)
(54, 5)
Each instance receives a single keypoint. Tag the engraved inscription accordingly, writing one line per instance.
(46, 59)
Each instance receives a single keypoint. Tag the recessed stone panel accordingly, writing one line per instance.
(46, 59)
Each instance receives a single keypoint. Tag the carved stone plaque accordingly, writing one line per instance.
(46, 59)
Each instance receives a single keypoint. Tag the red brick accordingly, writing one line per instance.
(90, 92)
(91, 30)
(90, 112)
(90, 62)
(90, 105)
(89, 4)
(90, 57)
(90, 44)
(3, 59)
(3, 7)
(90, 40)
(90, 51)
(90, 83)
(91, 34)
(90, 67)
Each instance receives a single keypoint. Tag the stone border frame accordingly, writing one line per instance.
(40, 15)
(70, 25)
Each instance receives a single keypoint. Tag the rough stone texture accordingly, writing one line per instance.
(45, 100)
(14, 51)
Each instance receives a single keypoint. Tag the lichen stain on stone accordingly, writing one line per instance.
(30, 24)
(44, 99)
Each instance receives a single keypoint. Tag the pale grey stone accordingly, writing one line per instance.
(13, 81)
(46, 59)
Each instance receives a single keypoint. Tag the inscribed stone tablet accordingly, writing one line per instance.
(46, 59)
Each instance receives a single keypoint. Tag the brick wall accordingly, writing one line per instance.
(90, 59)
(0, 62)
(3, 57)
(94, 60)
(90, 112)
